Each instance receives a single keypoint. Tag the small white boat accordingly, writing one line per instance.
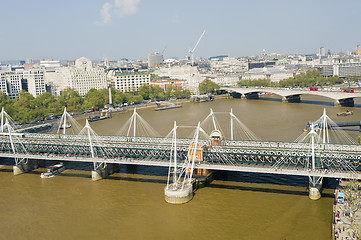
(66, 126)
(53, 170)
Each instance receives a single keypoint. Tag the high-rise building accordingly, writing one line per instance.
(35, 81)
(14, 83)
(322, 52)
(81, 77)
(3, 84)
(155, 59)
(127, 81)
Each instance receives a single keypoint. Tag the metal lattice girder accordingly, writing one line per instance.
(331, 156)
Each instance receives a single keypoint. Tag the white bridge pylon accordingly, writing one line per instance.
(68, 122)
(179, 187)
(238, 130)
(6, 117)
(16, 145)
(93, 142)
(136, 126)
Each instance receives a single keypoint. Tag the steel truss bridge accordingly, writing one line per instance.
(290, 158)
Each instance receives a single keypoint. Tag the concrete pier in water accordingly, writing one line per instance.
(178, 194)
(105, 171)
(21, 168)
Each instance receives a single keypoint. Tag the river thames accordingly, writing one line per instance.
(130, 204)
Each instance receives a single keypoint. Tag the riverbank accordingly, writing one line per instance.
(341, 225)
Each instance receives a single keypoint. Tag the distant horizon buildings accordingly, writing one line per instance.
(82, 74)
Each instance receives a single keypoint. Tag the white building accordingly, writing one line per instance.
(228, 65)
(3, 83)
(14, 83)
(229, 80)
(35, 81)
(127, 81)
(81, 77)
(155, 59)
(186, 72)
(274, 74)
(50, 63)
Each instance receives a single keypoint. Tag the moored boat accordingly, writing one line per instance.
(53, 170)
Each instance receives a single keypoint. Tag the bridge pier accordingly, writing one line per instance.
(291, 99)
(104, 171)
(21, 168)
(315, 189)
(99, 174)
(347, 102)
(178, 193)
(315, 192)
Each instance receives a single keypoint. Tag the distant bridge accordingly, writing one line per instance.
(288, 95)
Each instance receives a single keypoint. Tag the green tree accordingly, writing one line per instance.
(157, 93)
(118, 97)
(6, 102)
(71, 99)
(145, 91)
(43, 101)
(154, 76)
(208, 86)
(96, 98)
(186, 93)
(25, 109)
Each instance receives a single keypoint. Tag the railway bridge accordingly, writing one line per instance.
(314, 156)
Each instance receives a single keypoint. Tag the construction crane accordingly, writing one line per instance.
(164, 49)
(192, 51)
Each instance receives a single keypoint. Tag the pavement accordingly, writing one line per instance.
(342, 224)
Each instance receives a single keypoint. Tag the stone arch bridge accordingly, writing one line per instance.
(292, 95)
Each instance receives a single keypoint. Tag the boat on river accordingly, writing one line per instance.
(166, 105)
(106, 113)
(66, 126)
(347, 113)
(53, 170)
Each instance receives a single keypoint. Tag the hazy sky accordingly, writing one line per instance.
(114, 29)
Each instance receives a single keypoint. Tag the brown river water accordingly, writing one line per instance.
(130, 204)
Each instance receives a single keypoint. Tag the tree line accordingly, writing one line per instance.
(307, 79)
(26, 108)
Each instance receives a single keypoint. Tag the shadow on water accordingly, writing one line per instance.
(323, 103)
(136, 179)
(268, 99)
(312, 102)
(276, 179)
(266, 190)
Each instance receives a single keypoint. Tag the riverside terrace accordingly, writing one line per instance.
(314, 157)
(294, 95)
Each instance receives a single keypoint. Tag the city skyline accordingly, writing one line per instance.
(133, 29)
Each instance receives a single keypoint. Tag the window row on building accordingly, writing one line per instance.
(31, 80)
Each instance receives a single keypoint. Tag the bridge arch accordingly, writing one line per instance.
(288, 95)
